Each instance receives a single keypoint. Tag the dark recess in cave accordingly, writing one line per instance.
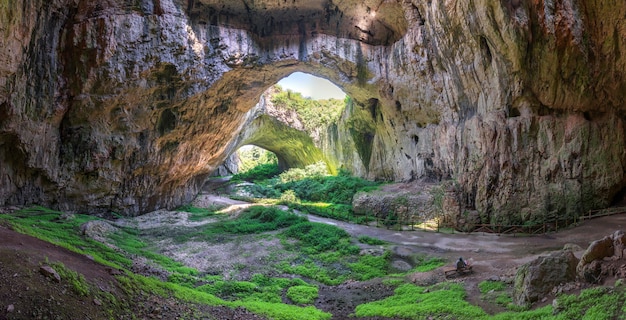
(513, 112)
(484, 47)
(619, 199)
(167, 122)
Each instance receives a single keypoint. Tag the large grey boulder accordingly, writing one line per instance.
(537, 278)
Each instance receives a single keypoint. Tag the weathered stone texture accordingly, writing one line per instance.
(128, 105)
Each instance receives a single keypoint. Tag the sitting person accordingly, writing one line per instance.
(461, 264)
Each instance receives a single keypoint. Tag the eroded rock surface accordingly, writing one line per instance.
(128, 105)
(536, 279)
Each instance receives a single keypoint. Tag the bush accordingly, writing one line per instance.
(226, 289)
(334, 189)
(318, 169)
(259, 219)
(370, 267)
(258, 173)
(371, 241)
(302, 294)
(320, 237)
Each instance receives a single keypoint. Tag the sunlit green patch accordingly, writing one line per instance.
(442, 301)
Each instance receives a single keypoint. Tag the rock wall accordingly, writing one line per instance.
(128, 105)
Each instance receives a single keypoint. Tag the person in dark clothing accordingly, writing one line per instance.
(461, 264)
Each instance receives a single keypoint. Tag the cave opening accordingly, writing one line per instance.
(249, 157)
(294, 121)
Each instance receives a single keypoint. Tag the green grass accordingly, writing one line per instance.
(442, 301)
(198, 214)
(487, 286)
(302, 294)
(371, 241)
(326, 254)
(370, 267)
(258, 219)
(318, 237)
(259, 173)
(425, 264)
(76, 280)
(47, 225)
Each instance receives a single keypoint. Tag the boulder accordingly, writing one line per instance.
(537, 278)
(50, 273)
(589, 267)
(97, 230)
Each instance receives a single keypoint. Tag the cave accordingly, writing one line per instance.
(481, 116)
(128, 107)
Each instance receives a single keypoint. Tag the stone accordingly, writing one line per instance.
(49, 272)
(539, 277)
(10, 308)
(610, 247)
(97, 229)
(135, 106)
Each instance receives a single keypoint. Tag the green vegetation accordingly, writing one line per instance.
(487, 286)
(425, 264)
(313, 113)
(258, 173)
(441, 301)
(319, 252)
(198, 214)
(302, 294)
(77, 281)
(595, 303)
(371, 241)
(323, 188)
(310, 190)
(259, 219)
(253, 156)
(65, 231)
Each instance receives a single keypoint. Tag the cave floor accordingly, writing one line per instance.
(492, 256)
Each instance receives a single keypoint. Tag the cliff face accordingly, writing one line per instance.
(128, 105)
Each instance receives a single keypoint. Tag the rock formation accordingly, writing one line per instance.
(537, 278)
(128, 105)
(603, 258)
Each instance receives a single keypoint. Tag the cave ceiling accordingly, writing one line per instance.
(373, 22)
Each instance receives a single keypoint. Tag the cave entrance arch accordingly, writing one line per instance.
(293, 119)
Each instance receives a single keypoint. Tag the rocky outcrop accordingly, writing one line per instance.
(592, 267)
(398, 204)
(537, 278)
(128, 105)
(281, 132)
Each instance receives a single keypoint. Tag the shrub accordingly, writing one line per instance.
(371, 241)
(302, 294)
(289, 196)
(445, 301)
(370, 267)
(258, 173)
(257, 219)
(320, 237)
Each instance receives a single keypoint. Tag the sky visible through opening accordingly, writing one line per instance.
(311, 86)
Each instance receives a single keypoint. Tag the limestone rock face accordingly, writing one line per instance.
(128, 105)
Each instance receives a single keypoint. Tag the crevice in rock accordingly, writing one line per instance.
(486, 51)
(167, 122)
